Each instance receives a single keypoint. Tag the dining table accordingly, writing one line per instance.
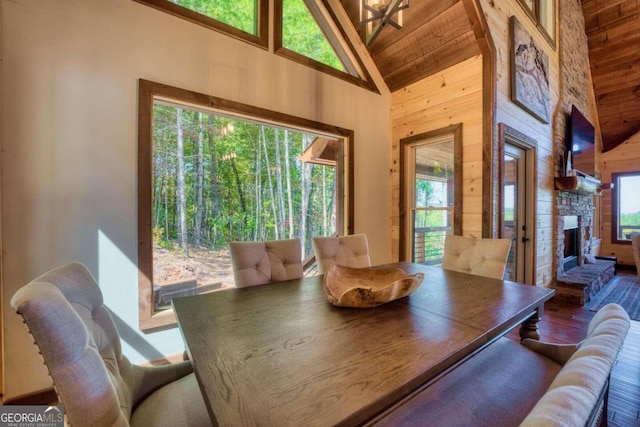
(281, 355)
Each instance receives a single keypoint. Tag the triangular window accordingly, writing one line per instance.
(305, 31)
(301, 34)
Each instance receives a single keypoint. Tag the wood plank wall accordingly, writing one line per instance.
(455, 96)
(444, 99)
(623, 158)
(497, 15)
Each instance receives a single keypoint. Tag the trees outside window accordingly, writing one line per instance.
(239, 173)
(245, 20)
(303, 31)
(625, 206)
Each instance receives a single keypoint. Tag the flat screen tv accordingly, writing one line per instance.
(581, 143)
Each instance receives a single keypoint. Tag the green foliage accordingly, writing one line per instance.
(159, 238)
(241, 14)
(301, 34)
(245, 181)
(630, 218)
(508, 214)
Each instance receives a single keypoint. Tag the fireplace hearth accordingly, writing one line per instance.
(577, 280)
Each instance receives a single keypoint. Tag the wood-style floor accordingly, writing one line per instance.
(567, 323)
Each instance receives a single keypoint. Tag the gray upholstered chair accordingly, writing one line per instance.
(482, 257)
(95, 382)
(348, 251)
(258, 263)
(635, 242)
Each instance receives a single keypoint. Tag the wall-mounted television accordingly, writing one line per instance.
(581, 143)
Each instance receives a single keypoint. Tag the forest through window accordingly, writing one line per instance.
(217, 179)
(240, 14)
(625, 206)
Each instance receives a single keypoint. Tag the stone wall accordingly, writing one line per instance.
(576, 88)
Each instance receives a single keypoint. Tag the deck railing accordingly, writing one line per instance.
(428, 244)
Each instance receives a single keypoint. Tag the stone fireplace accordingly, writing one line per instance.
(573, 236)
(576, 279)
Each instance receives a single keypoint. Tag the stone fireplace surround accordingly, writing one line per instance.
(578, 284)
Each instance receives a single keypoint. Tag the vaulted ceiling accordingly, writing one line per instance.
(613, 31)
(437, 34)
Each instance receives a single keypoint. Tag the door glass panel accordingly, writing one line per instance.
(433, 200)
(510, 213)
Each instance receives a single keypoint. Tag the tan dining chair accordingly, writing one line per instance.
(347, 251)
(635, 242)
(481, 257)
(95, 382)
(259, 263)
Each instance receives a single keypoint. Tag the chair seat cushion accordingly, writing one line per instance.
(179, 403)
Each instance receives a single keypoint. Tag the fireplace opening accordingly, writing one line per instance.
(571, 243)
(570, 248)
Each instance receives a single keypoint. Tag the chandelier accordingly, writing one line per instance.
(376, 14)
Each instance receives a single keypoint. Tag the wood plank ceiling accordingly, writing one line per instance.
(613, 31)
(436, 34)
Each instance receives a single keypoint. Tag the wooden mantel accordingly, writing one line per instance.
(580, 184)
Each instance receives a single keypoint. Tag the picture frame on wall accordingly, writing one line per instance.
(529, 73)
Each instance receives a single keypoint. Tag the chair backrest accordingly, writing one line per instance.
(635, 242)
(78, 340)
(575, 396)
(482, 257)
(258, 263)
(348, 251)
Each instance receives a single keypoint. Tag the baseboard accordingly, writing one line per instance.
(41, 397)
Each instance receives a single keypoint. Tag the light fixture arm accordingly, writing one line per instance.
(384, 15)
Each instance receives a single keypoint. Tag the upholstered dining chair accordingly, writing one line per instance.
(482, 257)
(348, 251)
(259, 263)
(95, 382)
(635, 242)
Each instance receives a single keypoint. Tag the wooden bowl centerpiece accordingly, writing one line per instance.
(368, 287)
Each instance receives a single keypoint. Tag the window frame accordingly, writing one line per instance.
(364, 80)
(615, 210)
(535, 16)
(455, 131)
(148, 91)
(260, 40)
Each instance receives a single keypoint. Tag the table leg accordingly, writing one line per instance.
(529, 329)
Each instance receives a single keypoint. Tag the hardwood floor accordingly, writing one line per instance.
(567, 323)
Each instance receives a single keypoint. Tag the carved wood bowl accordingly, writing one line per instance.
(367, 287)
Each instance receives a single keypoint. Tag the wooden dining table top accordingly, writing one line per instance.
(280, 354)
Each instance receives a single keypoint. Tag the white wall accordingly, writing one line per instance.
(69, 106)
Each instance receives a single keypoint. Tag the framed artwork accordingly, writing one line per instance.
(529, 73)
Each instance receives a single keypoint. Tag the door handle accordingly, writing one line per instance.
(525, 239)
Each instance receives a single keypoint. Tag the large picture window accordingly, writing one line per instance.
(625, 206)
(210, 176)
